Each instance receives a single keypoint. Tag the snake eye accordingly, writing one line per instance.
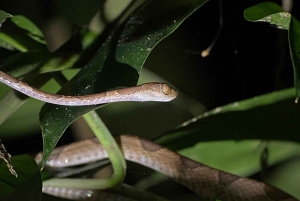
(166, 89)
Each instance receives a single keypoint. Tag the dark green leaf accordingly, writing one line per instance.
(117, 63)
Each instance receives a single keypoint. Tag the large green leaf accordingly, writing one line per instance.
(275, 15)
(28, 184)
(117, 63)
(272, 116)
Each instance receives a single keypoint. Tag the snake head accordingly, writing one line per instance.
(158, 92)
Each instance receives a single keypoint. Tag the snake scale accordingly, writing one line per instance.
(207, 182)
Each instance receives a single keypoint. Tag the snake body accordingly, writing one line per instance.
(207, 182)
(146, 92)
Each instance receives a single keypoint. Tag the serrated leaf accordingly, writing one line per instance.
(117, 63)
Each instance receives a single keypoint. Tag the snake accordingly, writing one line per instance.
(146, 92)
(207, 182)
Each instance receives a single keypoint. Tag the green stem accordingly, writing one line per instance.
(114, 153)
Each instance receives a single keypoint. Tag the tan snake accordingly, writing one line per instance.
(146, 92)
(209, 183)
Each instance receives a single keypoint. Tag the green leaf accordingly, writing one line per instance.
(273, 14)
(33, 31)
(272, 116)
(38, 61)
(28, 184)
(19, 40)
(268, 12)
(117, 63)
(240, 157)
(10, 43)
(17, 36)
(4, 16)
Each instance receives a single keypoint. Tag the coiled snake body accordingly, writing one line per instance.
(207, 182)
